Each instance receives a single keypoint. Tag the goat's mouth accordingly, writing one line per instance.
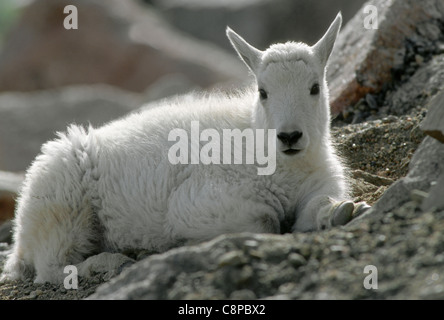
(291, 152)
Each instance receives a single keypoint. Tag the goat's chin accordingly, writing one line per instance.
(292, 153)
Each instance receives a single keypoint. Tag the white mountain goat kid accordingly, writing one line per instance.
(113, 188)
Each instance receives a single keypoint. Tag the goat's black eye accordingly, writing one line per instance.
(314, 89)
(263, 94)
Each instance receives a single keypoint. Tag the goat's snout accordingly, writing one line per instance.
(289, 138)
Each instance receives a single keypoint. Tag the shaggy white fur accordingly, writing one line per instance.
(113, 188)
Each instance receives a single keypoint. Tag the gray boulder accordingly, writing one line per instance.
(227, 266)
(433, 124)
(364, 60)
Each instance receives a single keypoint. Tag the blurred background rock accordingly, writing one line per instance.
(132, 44)
(152, 49)
(262, 22)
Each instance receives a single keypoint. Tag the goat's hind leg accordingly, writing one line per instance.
(50, 235)
(55, 224)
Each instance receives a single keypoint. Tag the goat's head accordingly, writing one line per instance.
(292, 93)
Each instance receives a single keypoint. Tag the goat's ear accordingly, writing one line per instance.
(249, 54)
(324, 47)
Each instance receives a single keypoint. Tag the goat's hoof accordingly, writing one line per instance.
(342, 213)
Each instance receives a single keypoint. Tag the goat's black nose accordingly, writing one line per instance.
(289, 138)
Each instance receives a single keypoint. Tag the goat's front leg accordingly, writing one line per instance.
(322, 212)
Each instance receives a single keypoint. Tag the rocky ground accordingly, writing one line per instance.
(378, 153)
(392, 165)
(334, 254)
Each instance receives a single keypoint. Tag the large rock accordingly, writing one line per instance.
(364, 59)
(435, 199)
(433, 124)
(120, 43)
(229, 266)
(418, 90)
